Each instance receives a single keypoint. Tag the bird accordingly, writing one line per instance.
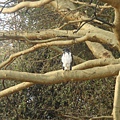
(67, 59)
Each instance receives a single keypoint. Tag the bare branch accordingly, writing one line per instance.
(55, 77)
(116, 29)
(102, 117)
(91, 4)
(101, 51)
(89, 36)
(96, 63)
(25, 4)
(15, 88)
(85, 65)
(40, 35)
(77, 16)
(5, 5)
(50, 35)
(35, 47)
(95, 17)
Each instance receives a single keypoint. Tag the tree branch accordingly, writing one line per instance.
(114, 3)
(90, 5)
(15, 88)
(116, 28)
(35, 47)
(101, 51)
(59, 76)
(95, 35)
(116, 105)
(96, 63)
(90, 37)
(25, 4)
(102, 117)
(77, 16)
(85, 65)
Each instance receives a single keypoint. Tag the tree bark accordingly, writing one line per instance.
(60, 76)
(27, 4)
(15, 88)
(101, 51)
(85, 65)
(116, 104)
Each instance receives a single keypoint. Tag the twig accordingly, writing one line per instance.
(90, 4)
(46, 59)
(102, 117)
(95, 17)
(75, 118)
(71, 22)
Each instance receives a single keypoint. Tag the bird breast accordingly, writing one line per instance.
(66, 58)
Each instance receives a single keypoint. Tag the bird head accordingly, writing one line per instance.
(66, 50)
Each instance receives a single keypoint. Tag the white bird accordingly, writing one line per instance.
(67, 59)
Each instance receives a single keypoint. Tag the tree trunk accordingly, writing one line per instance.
(116, 104)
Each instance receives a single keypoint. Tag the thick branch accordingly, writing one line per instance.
(25, 4)
(15, 88)
(116, 105)
(61, 76)
(92, 34)
(96, 63)
(116, 29)
(42, 35)
(101, 51)
(85, 65)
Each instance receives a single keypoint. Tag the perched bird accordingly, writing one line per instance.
(67, 59)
